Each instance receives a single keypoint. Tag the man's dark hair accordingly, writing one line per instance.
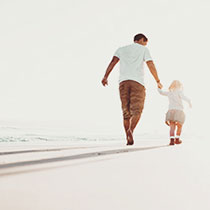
(137, 37)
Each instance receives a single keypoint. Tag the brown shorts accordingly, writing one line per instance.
(132, 95)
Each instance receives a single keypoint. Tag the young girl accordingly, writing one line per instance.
(175, 116)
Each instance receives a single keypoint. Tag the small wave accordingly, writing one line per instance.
(8, 128)
(41, 138)
(13, 139)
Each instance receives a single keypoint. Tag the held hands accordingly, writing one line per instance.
(159, 85)
(104, 81)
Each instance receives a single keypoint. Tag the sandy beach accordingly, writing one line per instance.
(77, 78)
(88, 176)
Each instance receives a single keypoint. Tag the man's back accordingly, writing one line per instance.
(132, 59)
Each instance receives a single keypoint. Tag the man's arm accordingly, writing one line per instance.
(113, 62)
(153, 71)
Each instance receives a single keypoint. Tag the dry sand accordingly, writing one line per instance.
(92, 176)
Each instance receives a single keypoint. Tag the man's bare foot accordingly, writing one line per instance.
(129, 137)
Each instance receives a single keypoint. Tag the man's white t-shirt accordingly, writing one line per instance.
(132, 58)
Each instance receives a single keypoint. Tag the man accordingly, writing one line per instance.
(131, 81)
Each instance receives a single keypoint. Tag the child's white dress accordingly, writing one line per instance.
(175, 110)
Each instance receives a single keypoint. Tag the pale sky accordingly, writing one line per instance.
(53, 55)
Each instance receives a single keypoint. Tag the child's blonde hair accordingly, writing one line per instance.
(175, 85)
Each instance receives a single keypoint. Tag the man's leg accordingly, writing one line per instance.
(134, 121)
(126, 123)
(132, 124)
(124, 89)
(137, 97)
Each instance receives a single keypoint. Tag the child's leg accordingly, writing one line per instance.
(172, 129)
(167, 123)
(178, 133)
(172, 132)
(179, 129)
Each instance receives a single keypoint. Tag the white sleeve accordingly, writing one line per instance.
(117, 53)
(184, 97)
(147, 56)
(164, 93)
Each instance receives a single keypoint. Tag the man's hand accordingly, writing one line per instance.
(159, 85)
(104, 81)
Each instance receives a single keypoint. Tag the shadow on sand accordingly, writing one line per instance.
(42, 150)
(76, 157)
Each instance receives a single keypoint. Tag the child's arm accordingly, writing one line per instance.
(185, 99)
(164, 93)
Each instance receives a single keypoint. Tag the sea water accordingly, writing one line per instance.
(37, 132)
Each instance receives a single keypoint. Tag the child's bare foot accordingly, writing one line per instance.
(172, 142)
(129, 137)
(178, 141)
